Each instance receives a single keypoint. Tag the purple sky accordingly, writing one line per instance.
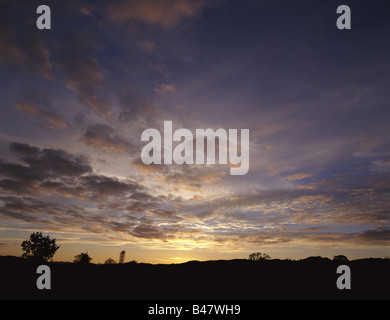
(76, 99)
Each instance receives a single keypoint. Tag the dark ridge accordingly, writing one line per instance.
(238, 279)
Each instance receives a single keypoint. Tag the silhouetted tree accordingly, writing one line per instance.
(39, 248)
(122, 256)
(340, 258)
(110, 261)
(256, 256)
(82, 258)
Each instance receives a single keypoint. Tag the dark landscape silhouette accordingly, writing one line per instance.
(310, 278)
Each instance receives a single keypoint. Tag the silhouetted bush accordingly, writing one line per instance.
(82, 258)
(316, 259)
(132, 262)
(256, 256)
(340, 258)
(110, 261)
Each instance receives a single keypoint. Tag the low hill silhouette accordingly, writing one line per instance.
(238, 279)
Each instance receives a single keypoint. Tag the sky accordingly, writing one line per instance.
(75, 100)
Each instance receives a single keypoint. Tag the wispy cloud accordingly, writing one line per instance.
(159, 13)
(165, 89)
(104, 137)
(50, 119)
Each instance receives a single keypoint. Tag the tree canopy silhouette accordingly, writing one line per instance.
(82, 258)
(256, 256)
(109, 261)
(340, 258)
(39, 248)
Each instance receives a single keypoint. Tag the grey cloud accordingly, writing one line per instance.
(30, 210)
(45, 213)
(48, 119)
(27, 48)
(69, 55)
(185, 176)
(58, 216)
(51, 172)
(193, 176)
(122, 226)
(84, 74)
(27, 209)
(377, 235)
(39, 55)
(148, 230)
(294, 207)
(58, 163)
(133, 105)
(24, 149)
(66, 48)
(107, 192)
(286, 235)
(140, 196)
(169, 215)
(105, 137)
(59, 171)
(19, 172)
(43, 163)
(101, 186)
(140, 207)
(15, 186)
